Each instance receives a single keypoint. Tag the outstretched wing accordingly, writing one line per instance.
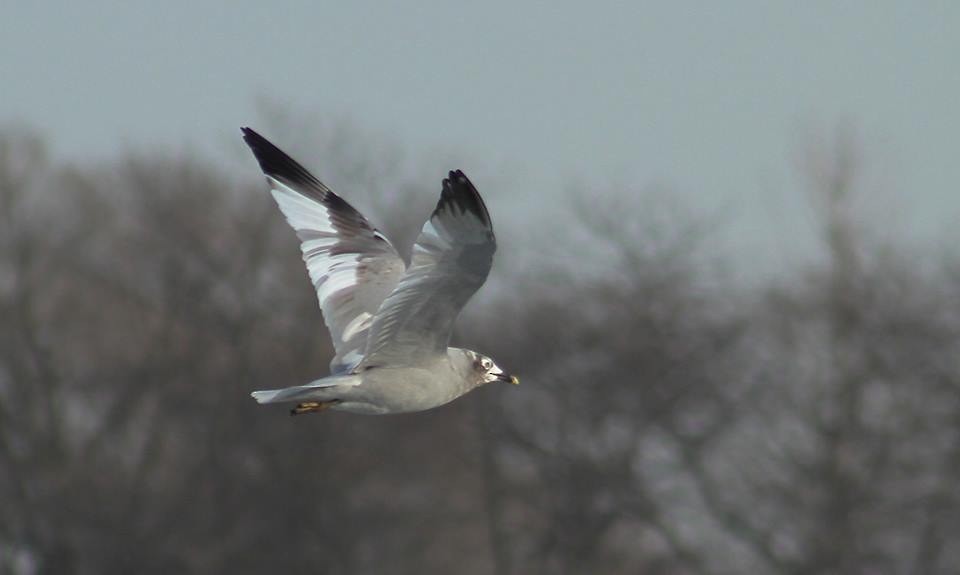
(451, 260)
(352, 265)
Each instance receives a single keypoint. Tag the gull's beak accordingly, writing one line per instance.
(508, 378)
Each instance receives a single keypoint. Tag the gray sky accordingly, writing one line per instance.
(714, 103)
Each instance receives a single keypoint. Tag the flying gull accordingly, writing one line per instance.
(390, 324)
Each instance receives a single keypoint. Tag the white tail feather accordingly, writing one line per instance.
(312, 390)
(266, 395)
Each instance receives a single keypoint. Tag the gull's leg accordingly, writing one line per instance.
(312, 406)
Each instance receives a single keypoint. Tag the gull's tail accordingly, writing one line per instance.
(319, 390)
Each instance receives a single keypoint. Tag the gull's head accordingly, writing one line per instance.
(489, 371)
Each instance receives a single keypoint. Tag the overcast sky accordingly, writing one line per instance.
(714, 103)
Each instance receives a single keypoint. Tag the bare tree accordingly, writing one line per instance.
(668, 422)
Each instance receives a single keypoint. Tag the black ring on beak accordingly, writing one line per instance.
(507, 378)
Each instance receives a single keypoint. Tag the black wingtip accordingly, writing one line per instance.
(275, 163)
(460, 191)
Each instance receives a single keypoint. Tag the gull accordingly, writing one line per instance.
(390, 324)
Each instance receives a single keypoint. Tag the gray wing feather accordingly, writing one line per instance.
(352, 265)
(450, 262)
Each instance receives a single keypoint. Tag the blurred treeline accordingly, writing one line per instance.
(667, 422)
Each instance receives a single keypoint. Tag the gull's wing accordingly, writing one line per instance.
(352, 265)
(451, 260)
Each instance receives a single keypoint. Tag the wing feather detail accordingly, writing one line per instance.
(451, 260)
(351, 264)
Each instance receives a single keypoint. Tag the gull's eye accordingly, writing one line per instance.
(486, 363)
